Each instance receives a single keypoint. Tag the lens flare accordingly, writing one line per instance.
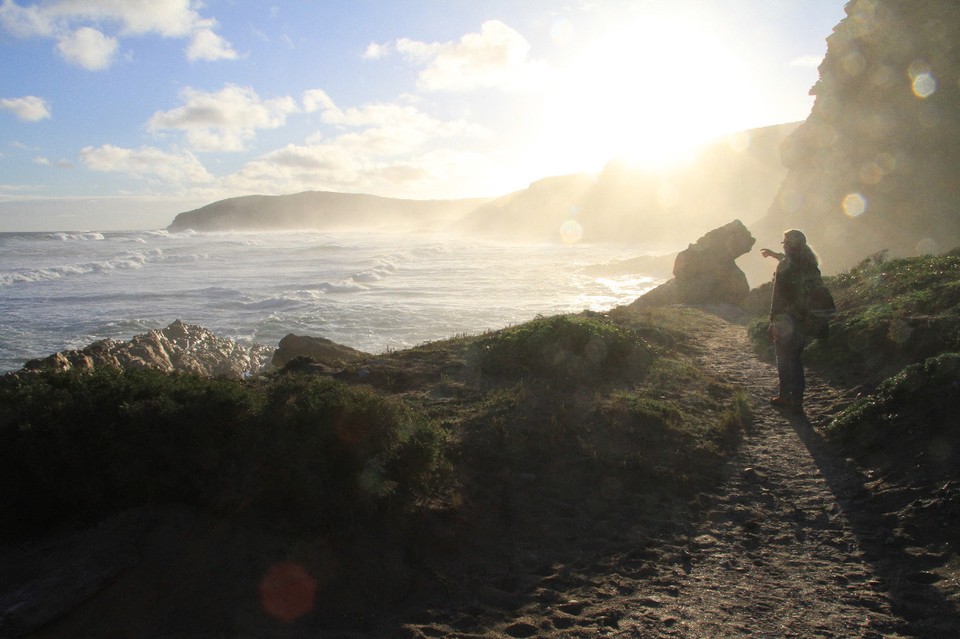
(854, 205)
(287, 591)
(899, 331)
(924, 85)
(927, 246)
(922, 81)
(571, 232)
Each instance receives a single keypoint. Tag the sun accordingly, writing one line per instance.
(650, 93)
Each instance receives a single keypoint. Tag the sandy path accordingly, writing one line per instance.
(791, 545)
(778, 556)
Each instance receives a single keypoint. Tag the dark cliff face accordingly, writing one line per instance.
(876, 164)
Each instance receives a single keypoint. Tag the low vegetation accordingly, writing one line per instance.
(304, 450)
(484, 445)
(581, 402)
(909, 425)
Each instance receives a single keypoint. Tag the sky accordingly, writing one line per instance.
(119, 114)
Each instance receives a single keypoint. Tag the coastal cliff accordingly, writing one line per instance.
(876, 164)
(321, 210)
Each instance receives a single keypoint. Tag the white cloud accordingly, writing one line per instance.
(29, 108)
(174, 168)
(60, 164)
(169, 18)
(62, 19)
(392, 129)
(377, 148)
(25, 22)
(87, 48)
(207, 45)
(296, 168)
(496, 57)
(225, 120)
(807, 61)
(420, 52)
(317, 100)
(376, 51)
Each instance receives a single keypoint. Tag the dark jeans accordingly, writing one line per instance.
(789, 345)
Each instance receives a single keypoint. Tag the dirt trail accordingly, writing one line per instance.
(779, 556)
(792, 545)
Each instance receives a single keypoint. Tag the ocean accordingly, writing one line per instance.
(372, 291)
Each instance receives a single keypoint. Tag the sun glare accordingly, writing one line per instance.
(650, 93)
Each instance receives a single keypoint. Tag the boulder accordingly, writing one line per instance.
(179, 347)
(318, 349)
(706, 272)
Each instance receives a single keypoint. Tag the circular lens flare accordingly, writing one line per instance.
(287, 591)
(854, 205)
(571, 232)
(924, 85)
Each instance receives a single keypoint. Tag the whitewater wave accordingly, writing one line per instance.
(77, 237)
(122, 261)
(375, 274)
(268, 304)
(324, 288)
(367, 290)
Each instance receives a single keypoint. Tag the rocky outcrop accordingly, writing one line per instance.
(317, 349)
(706, 272)
(876, 165)
(178, 347)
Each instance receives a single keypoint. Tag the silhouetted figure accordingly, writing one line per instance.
(798, 270)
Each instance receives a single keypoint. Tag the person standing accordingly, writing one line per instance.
(797, 269)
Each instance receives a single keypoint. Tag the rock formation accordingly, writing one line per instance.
(876, 165)
(318, 349)
(706, 272)
(179, 347)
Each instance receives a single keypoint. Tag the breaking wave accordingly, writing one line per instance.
(122, 261)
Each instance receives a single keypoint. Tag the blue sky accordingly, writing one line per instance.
(119, 114)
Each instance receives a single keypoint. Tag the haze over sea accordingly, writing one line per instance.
(371, 291)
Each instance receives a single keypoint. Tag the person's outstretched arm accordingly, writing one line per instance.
(765, 252)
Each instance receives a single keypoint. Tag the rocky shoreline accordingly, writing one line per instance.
(187, 348)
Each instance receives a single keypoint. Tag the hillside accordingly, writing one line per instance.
(734, 177)
(600, 472)
(876, 164)
(321, 210)
(731, 178)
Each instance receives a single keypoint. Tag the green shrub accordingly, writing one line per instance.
(663, 437)
(922, 398)
(75, 446)
(564, 348)
(333, 451)
(891, 313)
